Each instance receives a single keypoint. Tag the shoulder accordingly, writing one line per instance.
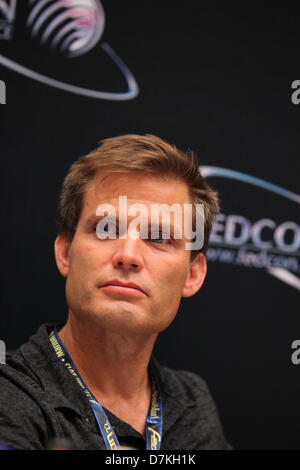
(183, 385)
(21, 418)
(18, 374)
(23, 402)
(190, 405)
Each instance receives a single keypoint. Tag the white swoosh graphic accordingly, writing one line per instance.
(208, 171)
(285, 276)
(212, 171)
(132, 92)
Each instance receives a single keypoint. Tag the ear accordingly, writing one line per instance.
(61, 250)
(196, 276)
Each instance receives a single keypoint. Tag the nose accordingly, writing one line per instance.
(128, 255)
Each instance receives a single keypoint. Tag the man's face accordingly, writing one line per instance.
(160, 268)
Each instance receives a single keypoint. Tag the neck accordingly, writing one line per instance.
(113, 365)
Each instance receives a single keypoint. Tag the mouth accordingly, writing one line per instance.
(129, 288)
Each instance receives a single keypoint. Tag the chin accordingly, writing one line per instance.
(125, 320)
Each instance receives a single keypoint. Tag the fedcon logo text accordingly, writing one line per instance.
(265, 234)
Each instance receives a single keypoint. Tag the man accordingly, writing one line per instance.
(94, 380)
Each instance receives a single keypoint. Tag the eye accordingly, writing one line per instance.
(109, 230)
(160, 240)
(98, 228)
(104, 231)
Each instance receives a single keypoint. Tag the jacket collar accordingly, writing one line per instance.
(62, 390)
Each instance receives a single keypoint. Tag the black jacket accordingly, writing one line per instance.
(40, 401)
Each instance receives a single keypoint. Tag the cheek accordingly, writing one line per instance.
(172, 282)
(82, 274)
(83, 262)
(84, 253)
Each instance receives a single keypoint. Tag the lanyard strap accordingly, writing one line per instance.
(154, 419)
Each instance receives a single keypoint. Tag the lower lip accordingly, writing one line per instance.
(123, 290)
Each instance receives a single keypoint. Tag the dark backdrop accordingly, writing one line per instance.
(213, 80)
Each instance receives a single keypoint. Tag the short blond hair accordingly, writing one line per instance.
(139, 155)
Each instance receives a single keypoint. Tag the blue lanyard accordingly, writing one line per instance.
(154, 419)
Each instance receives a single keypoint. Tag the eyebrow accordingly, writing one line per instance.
(96, 218)
(93, 219)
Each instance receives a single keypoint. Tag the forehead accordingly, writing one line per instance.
(137, 188)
